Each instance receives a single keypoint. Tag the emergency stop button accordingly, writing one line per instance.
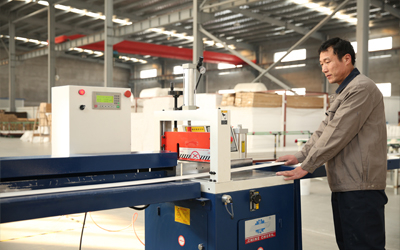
(127, 93)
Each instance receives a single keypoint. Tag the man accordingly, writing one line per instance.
(352, 140)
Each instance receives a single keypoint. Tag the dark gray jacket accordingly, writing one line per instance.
(352, 139)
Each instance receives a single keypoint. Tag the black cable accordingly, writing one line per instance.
(198, 81)
(83, 226)
(140, 208)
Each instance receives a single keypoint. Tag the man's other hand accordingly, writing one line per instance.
(289, 159)
(294, 174)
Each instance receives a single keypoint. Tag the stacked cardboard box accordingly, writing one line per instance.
(267, 100)
(257, 99)
(44, 117)
(228, 100)
(45, 107)
(305, 102)
(10, 122)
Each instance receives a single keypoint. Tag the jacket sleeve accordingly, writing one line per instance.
(343, 125)
(302, 154)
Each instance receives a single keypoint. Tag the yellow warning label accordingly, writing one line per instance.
(224, 111)
(243, 147)
(182, 215)
(197, 129)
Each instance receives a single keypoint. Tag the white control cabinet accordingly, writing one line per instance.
(90, 120)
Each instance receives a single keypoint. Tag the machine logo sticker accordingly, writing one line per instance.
(224, 119)
(260, 229)
(181, 240)
(196, 154)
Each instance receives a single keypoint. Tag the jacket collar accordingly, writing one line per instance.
(347, 80)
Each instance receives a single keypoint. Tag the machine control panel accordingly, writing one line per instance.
(106, 101)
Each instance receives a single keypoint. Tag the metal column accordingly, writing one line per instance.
(11, 67)
(362, 36)
(51, 59)
(197, 42)
(108, 44)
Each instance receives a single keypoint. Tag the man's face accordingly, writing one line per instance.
(334, 69)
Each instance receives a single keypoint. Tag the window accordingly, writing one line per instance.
(385, 88)
(377, 44)
(177, 70)
(291, 66)
(147, 73)
(295, 55)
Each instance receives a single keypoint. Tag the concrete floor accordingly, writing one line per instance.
(63, 232)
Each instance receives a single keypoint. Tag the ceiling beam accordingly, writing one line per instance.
(386, 7)
(100, 8)
(267, 19)
(228, 42)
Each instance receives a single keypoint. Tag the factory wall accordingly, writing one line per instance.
(381, 70)
(31, 77)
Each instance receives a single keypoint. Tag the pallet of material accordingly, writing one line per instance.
(304, 102)
(257, 99)
(268, 100)
(228, 100)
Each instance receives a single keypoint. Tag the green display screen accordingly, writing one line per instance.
(104, 98)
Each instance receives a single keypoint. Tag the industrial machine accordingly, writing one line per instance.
(204, 193)
(241, 207)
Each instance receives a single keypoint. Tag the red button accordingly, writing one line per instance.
(81, 91)
(127, 93)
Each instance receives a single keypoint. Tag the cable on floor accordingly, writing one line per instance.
(83, 226)
(133, 225)
(108, 230)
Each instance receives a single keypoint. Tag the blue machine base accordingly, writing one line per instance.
(211, 225)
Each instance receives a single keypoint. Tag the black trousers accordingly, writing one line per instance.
(359, 218)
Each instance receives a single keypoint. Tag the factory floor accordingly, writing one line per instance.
(63, 232)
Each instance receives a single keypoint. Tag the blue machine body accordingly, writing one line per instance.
(45, 172)
(212, 226)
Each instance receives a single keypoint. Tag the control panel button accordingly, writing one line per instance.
(127, 93)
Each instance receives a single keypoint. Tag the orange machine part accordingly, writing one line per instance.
(174, 141)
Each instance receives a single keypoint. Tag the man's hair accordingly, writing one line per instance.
(340, 48)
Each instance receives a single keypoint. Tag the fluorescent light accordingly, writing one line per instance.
(325, 10)
(290, 66)
(45, 3)
(226, 66)
(62, 7)
(88, 51)
(77, 11)
(381, 56)
(92, 14)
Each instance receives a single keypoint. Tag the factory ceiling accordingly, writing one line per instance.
(242, 24)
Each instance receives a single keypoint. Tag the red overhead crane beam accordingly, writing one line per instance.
(156, 50)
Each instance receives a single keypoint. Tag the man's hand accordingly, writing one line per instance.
(290, 159)
(294, 174)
